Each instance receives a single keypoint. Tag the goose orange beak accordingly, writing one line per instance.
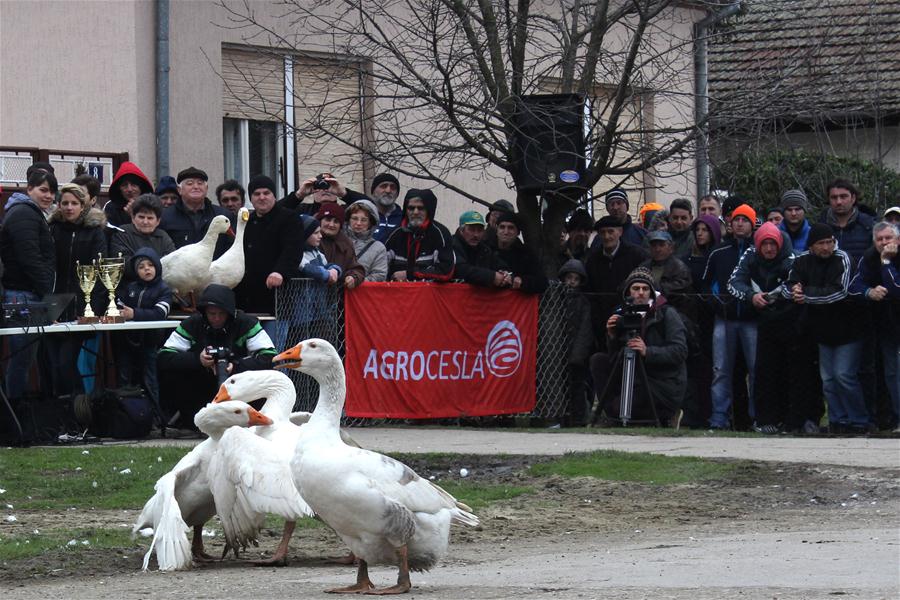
(257, 418)
(221, 395)
(289, 359)
(231, 232)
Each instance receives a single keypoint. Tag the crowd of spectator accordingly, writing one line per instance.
(789, 323)
(748, 319)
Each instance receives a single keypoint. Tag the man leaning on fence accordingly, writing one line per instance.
(819, 282)
(474, 258)
(786, 391)
(421, 248)
(272, 249)
(659, 341)
(878, 282)
(735, 320)
(517, 259)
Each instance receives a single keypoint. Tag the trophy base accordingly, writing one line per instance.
(88, 320)
(106, 319)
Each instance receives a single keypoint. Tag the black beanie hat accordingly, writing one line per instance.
(505, 217)
(639, 275)
(580, 220)
(260, 181)
(309, 225)
(381, 178)
(819, 232)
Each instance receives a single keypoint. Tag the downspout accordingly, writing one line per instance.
(701, 90)
(162, 88)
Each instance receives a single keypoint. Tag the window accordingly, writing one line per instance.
(275, 105)
(252, 148)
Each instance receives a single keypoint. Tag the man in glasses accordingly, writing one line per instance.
(421, 248)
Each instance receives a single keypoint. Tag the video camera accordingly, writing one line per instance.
(631, 319)
(321, 183)
(221, 356)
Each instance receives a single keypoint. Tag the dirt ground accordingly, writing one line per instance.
(567, 540)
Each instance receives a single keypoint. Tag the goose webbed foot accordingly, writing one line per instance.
(363, 584)
(403, 584)
(280, 558)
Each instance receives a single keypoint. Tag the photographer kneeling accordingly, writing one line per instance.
(655, 332)
(207, 347)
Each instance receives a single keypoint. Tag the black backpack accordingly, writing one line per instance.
(123, 413)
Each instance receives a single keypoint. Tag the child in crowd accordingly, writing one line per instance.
(581, 343)
(312, 314)
(143, 296)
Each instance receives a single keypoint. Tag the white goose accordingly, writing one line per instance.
(251, 481)
(186, 270)
(228, 269)
(278, 391)
(183, 498)
(380, 507)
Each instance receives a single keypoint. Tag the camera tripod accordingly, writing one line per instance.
(631, 362)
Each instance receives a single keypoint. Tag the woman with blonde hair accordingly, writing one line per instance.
(78, 236)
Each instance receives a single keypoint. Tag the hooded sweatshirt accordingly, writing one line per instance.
(242, 334)
(115, 208)
(755, 274)
(151, 300)
(26, 247)
(424, 252)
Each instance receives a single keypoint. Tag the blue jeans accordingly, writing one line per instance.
(22, 349)
(890, 352)
(839, 368)
(726, 337)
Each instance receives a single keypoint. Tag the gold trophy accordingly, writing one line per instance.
(110, 274)
(87, 279)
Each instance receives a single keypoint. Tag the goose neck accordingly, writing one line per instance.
(279, 401)
(332, 391)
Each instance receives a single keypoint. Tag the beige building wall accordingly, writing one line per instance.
(96, 89)
(79, 75)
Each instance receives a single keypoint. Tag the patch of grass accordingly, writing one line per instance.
(479, 495)
(68, 540)
(627, 466)
(60, 478)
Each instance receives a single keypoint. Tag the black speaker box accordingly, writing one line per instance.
(549, 145)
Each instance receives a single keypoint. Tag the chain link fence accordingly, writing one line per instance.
(305, 309)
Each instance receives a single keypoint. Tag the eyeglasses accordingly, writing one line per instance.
(413, 208)
(359, 219)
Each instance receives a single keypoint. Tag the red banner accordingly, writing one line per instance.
(424, 351)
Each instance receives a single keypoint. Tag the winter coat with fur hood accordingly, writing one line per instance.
(81, 241)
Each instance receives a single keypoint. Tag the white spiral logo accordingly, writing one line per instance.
(503, 349)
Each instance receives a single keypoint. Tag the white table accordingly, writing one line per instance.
(74, 327)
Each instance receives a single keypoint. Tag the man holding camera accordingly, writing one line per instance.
(322, 188)
(205, 348)
(648, 326)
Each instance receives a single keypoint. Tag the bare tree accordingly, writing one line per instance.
(443, 82)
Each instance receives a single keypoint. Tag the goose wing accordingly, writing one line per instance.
(163, 513)
(248, 479)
